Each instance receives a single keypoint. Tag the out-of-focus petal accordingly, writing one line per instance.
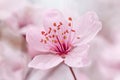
(44, 62)
(12, 5)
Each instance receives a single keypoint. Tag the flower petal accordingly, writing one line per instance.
(87, 27)
(12, 5)
(52, 18)
(33, 37)
(78, 57)
(44, 62)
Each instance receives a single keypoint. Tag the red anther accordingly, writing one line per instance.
(73, 30)
(53, 36)
(70, 18)
(54, 30)
(78, 37)
(42, 32)
(67, 31)
(61, 23)
(49, 30)
(54, 24)
(69, 24)
(58, 28)
(46, 34)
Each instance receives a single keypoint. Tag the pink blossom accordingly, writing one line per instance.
(22, 19)
(106, 56)
(7, 7)
(19, 17)
(109, 61)
(12, 64)
(62, 39)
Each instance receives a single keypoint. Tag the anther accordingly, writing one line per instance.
(49, 30)
(69, 24)
(78, 37)
(54, 30)
(61, 23)
(53, 36)
(64, 37)
(54, 24)
(58, 28)
(70, 19)
(42, 32)
(73, 30)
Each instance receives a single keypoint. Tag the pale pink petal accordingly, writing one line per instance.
(81, 75)
(53, 16)
(32, 52)
(44, 62)
(12, 5)
(87, 28)
(8, 7)
(20, 18)
(78, 57)
(117, 77)
(25, 29)
(33, 37)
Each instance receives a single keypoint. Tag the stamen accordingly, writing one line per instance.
(70, 19)
(46, 34)
(67, 31)
(54, 30)
(58, 28)
(61, 23)
(73, 30)
(64, 37)
(58, 25)
(49, 30)
(42, 32)
(78, 37)
(53, 36)
(69, 24)
(54, 24)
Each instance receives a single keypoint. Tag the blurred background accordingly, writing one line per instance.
(104, 51)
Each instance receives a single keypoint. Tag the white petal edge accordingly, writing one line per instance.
(45, 62)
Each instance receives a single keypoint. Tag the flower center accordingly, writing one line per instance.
(59, 37)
